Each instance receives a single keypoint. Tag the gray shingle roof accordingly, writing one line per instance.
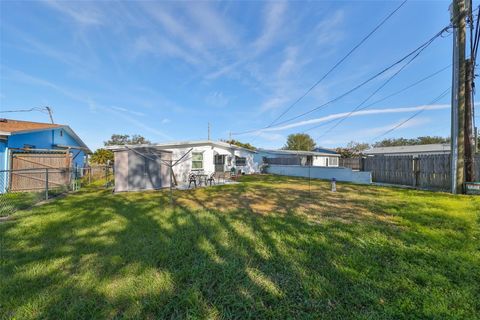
(418, 149)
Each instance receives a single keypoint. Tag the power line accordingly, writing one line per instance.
(390, 95)
(376, 91)
(338, 63)
(421, 47)
(40, 109)
(414, 115)
(412, 53)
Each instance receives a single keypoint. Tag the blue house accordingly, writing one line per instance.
(34, 137)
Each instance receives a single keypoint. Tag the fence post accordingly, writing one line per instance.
(46, 183)
(416, 172)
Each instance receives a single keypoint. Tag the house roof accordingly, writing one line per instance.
(17, 126)
(182, 144)
(10, 127)
(325, 150)
(423, 148)
(298, 152)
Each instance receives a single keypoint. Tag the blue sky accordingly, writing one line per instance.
(166, 69)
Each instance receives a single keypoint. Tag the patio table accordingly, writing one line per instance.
(200, 177)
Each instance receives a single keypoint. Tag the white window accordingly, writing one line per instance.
(240, 161)
(197, 160)
(219, 159)
(332, 162)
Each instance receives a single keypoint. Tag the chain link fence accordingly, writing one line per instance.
(23, 188)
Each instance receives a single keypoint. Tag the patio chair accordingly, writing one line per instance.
(211, 178)
(192, 178)
(233, 174)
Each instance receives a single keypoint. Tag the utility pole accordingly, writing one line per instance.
(209, 131)
(457, 163)
(469, 136)
(50, 112)
(476, 141)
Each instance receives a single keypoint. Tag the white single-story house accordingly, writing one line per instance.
(321, 158)
(144, 167)
(415, 150)
(190, 156)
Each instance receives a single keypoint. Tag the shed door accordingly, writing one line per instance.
(136, 171)
(153, 173)
(144, 170)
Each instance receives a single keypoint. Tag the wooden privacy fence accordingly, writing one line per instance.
(31, 171)
(27, 180)
(394, 169)
(424, 171)
(352, 163)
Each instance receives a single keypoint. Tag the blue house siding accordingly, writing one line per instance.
(44, 139)
(3, 164)
(3, 149)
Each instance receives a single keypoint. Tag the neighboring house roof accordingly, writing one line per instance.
(182, 144)
(416, 149)
(16, 126)
(325, 150)
(11, 127)
(297, 152)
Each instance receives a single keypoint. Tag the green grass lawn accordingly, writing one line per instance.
(11, 202)
(269, 247)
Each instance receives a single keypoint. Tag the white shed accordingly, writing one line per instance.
(141, 168)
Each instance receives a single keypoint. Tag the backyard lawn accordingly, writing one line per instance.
(268, 247)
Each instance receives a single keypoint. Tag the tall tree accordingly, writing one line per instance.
(358, 147)
(393, 142)
(353, 149)
(299, 141)
(101, 156)
(240, 144)
(122, 139)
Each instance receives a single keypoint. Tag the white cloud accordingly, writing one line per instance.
(210, 23)
(327, 31)
(92, 105)
(125, 110)
(289, 64)
(190, 31)
(273, 23)
(159, 45)
(216, 99)
(274, 102)
(81, 12)
(356, 114)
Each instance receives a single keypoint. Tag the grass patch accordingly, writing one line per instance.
(269, 247)
(11, 202)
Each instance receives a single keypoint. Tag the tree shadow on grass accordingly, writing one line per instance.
(218, 254)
